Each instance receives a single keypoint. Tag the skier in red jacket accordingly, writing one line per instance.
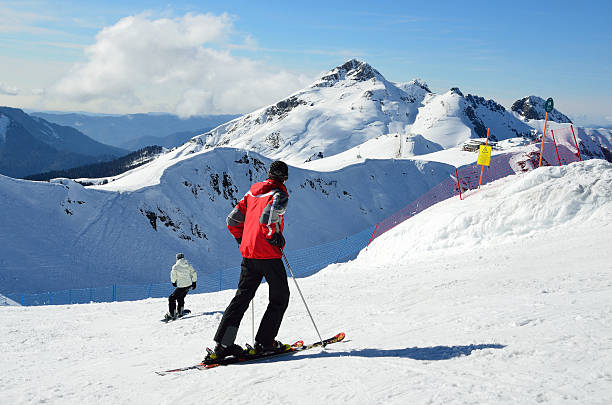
(257, 224)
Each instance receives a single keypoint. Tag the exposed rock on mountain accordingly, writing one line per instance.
(533, 108)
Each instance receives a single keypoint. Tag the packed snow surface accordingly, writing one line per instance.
(504, 297)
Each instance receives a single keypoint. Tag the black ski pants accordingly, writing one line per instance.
(177, 296)
(252, 272)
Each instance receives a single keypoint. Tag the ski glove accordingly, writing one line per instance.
(174, 284)
(278, 240)
(193, 285)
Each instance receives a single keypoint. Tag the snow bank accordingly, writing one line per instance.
(514, 207)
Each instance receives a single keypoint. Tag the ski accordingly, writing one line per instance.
(297, 347)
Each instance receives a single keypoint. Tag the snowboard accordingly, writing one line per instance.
(185, 312)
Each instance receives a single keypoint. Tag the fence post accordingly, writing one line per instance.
(552, 131)
(50, 297)
(21, 300)
(458, 184)
(114, 292)
(149, 293)
(91, 295)
(482, 166)
(372, 237)
(577, 148)
(543, 137)
(70, 296)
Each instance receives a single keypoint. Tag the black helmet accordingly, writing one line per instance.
(179, 256)
(278, 171)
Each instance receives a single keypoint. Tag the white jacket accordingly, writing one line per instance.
(183, 273)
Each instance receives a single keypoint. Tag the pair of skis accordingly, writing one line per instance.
(298, 346)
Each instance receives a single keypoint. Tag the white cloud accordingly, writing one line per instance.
(8, 90)
(174, 64)
(608, 118)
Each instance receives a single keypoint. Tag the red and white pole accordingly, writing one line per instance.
(555, 142)
(577, 148)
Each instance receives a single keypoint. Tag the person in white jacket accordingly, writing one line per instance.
(183, 277)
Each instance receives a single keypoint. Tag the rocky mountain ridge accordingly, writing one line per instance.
(354, 103)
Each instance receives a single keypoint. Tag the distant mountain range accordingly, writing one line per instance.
(354, 103)
(135, 131)
(30, 145)
(103, 169)
(169, 141)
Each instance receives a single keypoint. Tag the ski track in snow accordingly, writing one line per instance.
(519, 319)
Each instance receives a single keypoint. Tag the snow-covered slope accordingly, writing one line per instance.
(128, 230)
(501, 298)
(451, 118)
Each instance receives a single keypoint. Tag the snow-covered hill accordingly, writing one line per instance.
(503, 298)
(354, 103)
(129, 229)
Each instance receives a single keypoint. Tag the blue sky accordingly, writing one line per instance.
(501, 50)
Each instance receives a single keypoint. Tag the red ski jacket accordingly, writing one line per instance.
(257, 217)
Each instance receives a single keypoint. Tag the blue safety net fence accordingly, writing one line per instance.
(303, 262)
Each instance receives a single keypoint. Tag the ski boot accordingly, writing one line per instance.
(221, 352)
(261, 350)
(170, 317)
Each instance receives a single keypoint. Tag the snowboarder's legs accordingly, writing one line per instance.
(178, 295)
(250, 278)
(274, 272)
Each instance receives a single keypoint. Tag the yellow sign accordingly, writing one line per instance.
(484, 155)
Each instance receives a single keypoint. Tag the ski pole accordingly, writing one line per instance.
(303, 300)
(253, 321)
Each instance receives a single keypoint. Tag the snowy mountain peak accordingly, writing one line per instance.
(353, 104)
(533, 108)
(455, 90)
(419, 83)
(416, 89)
(354, 70)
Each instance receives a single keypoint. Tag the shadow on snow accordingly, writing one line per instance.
(415, 353)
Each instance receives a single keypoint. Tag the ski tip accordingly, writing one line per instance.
(340, 336)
